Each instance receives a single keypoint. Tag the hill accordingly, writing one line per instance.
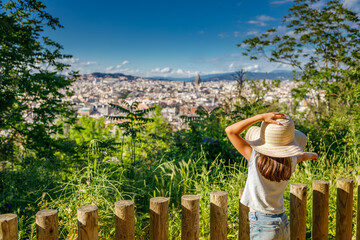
(280, 75)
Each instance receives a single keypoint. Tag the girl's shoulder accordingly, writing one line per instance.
(293, 163)
(254, 155)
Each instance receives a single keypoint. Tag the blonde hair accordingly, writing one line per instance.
(274, 169)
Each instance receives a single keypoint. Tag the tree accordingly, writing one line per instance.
(240, 105)
(239, 76)
(154, 141)
(132, 121)
(322, 43)
(31, 87)
(88, 129)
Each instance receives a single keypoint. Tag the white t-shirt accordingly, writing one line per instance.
(261, 194)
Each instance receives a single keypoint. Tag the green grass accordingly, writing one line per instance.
(108, 182)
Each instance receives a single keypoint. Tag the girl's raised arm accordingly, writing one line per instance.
(307, 156)
(233, 131)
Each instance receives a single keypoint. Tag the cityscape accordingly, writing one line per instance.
(93, 95)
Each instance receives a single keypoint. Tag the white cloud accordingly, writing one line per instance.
(75, 62)
(108, 69)
(89, 63)
(235, 55)
(252, 68)
(166, 70)
(134, 72)
(112, 69)
(265, 18)
(76, 65)
(257, 23)
(201, 32)
(122, 64)
(280, 1)
(237, 34)
(318, 4)
(214, 72)
(179, 71)
(252, 33)
(231, 67)
(222, 35)
(69, 60)
(176, 73)
(352, 4)
(261, 20)
(161, 70)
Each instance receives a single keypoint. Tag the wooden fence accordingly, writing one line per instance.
(47, 220)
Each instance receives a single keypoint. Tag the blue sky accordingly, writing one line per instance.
(177, 38)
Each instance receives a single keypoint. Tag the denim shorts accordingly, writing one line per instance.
(265, 226)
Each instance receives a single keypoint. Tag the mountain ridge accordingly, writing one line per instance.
(275, 75)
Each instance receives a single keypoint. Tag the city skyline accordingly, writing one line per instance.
(165, 39)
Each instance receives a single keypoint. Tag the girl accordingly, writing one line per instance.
(273, 150)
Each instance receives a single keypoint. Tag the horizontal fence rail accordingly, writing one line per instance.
(47, 220)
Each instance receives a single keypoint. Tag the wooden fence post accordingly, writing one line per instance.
(159, 219)
(344, 205)
(218, 215)
(244, 224)
(298, 211)
(8, 227)
(320, 210)
(47, 225)
(87, 222)
(358, 209)
(190, 217)
(124, 220)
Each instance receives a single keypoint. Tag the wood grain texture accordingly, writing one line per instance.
(298, 193)
(159, 220)
(244, 224)
(190, 217)
(8, 227)
(124, 220)
(218, 215)
(320, 213)
(87, 222)
(47, 225)
(344, 205)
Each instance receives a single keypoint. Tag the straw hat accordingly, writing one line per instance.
(277, 140)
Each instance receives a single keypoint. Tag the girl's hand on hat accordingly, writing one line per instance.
(272, 116)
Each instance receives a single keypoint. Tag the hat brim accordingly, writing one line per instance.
(293, 148)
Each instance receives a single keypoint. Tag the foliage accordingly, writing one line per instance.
(108, 183)
(19, 190)
(156, 138)
(133, 122)
(91, 141)
(323, 44)
(101, 186)
(87, 161)
(31, 89)
(249, 97)
(205, 133)
(88, 129)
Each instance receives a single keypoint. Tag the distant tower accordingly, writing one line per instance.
(197, 79)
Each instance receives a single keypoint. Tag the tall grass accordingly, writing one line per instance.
(104, 183)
